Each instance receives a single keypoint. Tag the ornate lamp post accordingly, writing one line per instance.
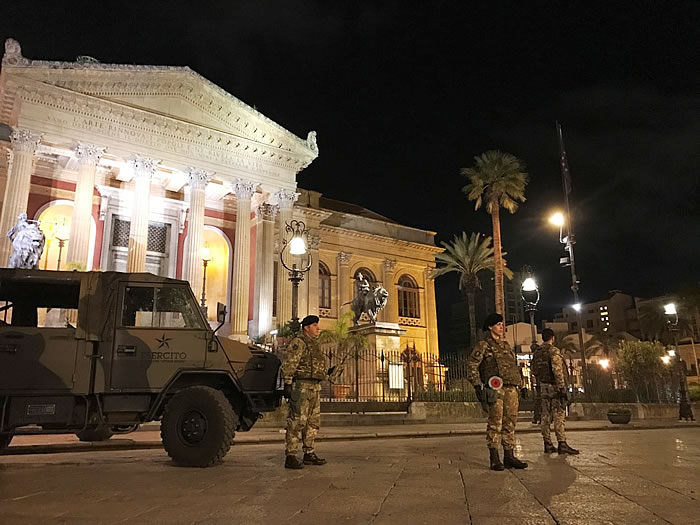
(295, 245)
(684, 411)
(568, 240)
(206, 258)
(531, 296)
(61, 236)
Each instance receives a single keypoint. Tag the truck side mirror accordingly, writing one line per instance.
(221, 312)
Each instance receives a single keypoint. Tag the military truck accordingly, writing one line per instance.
(98, 353)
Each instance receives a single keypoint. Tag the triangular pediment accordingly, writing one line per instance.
(175, 92)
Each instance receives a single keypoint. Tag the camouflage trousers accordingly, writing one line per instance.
(503, 414)
(304, 417)
(554, 413)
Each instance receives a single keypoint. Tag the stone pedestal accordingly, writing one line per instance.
(384, 340)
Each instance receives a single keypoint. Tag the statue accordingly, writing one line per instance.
(367, 300)
(311, 141)
(27, 243)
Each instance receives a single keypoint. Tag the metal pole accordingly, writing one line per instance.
(685, 411)
(382, 360)
(533, 331)
(357, 375)
(60, 251)
(204, 283)
(295, 277)
(574, 289)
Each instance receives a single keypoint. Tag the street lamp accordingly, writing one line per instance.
(531, 296)
(684, 409)
(61, 236)
(295, 245)
(206, 258)
(559, 220)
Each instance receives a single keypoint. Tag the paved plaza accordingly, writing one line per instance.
(635, 476)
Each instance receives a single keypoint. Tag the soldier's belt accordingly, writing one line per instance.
(307, 380)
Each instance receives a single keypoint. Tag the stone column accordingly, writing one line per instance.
(88, 156)
(244, 191)
(343, 282)
(430, 313)
(312, 275)
(192, 256)
(390, 314)
(143, 168)
(264, 267)
(19, 175)
(286, 201)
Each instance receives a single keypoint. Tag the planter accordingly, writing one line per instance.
(619, 418)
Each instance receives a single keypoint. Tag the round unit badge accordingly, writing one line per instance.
(495, 382)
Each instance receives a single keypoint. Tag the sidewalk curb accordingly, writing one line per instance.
(133, 444)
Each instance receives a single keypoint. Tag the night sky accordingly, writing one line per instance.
(404, 94)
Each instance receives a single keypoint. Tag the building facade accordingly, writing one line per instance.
(157, 169)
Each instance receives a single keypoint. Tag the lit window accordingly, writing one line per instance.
(408, 297)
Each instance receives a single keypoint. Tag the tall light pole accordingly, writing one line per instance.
(296, 236)
(558, 220)
(684, 410)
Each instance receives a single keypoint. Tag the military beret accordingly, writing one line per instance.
(491, 320)
(309, 320)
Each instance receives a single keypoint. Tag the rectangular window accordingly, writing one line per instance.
(164, 307)
(325, 292)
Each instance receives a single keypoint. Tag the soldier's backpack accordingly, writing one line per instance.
(541, 365)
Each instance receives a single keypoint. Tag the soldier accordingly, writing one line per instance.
(303, 369)
(493, 363)
(537, 401)
(549, 369)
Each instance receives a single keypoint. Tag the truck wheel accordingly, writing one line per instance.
(101, 433)
(5, 441)
(198, 427)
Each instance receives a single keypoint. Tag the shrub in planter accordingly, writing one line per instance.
(619, 416)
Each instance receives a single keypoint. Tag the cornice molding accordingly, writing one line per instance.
(195, 88)
(381, 238)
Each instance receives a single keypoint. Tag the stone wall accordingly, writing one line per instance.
(579, 411)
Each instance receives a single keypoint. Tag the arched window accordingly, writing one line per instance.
(408, 297)
(324, 286)
(367, 275)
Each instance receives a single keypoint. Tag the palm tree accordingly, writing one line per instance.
(654, 323)
(468, 256)
(342, 339)
(497, 180)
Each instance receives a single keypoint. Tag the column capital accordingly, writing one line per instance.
(244, 189)
(143, 166)
(314, 240)
(286, 199)
(428, 271)
(266, 211)
(343, 258)
(89, 153)
(389, 265)
(198, 178)
(25, 140)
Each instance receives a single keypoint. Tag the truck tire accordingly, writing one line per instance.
(5, 441)
(101, 433)
(198, 427)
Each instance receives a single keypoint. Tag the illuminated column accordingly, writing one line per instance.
(264, 269)
(143, 168)
(312, 276)
(244, 191)
(430, 312)
(390, 314)
(192, 256)
(343, 282)
(286, 201)
(19, 174)
(88, 156)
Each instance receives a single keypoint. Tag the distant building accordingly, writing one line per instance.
(617, 313)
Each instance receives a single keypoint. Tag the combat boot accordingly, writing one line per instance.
(293, 462)
(549, 448)
(313, 459)
(510, 461)
(495, 460)
(564, 448)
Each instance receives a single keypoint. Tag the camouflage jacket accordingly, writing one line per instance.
(559, 371)
(505, 361)
(304, 359)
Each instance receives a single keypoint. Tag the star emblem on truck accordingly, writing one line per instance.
(163, 341)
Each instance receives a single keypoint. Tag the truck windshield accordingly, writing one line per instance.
(161, 307)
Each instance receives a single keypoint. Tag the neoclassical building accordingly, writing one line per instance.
(155, 168)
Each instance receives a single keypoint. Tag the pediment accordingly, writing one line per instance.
(175, 92)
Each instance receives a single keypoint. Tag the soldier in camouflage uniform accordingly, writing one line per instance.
(303, 368)
(552, 377)
(494, 357)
